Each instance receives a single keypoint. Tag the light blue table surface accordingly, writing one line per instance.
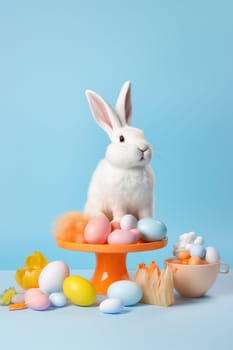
(204, 323)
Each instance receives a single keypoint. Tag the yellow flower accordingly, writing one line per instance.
(28, 276)
(6, 296)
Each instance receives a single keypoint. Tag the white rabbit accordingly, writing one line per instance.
(123, 182)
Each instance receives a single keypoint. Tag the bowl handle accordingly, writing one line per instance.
(223, 267)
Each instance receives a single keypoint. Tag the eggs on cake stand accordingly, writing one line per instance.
(110, 242)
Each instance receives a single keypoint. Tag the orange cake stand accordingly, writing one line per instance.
(110, 259)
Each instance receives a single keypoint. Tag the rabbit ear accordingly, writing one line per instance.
(103, 113)
(124, 104)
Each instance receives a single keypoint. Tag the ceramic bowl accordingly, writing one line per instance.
(193, 281)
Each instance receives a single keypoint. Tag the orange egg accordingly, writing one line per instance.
(195, 260)
(183, 254)
(184, 261)
(115, 225)
(175, 261)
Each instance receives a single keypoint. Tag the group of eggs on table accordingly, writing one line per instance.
(57, 288)
(190, 250)
(129, 230)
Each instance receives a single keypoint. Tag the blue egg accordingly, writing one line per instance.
(151, 229)
(128, 291)
(197, 250)
(57, 299)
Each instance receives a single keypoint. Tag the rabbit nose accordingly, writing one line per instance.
(144, 149)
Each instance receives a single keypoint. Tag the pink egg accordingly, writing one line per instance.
(136, 232)
(30, 293)
(97, 230)
(36, 300)
(122, 237)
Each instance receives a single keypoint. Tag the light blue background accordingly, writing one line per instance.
(178, 55)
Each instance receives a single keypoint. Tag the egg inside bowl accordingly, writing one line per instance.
(193, 281)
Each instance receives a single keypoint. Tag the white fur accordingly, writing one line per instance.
(123, 182)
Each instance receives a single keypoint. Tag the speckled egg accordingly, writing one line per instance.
(97, 230)
(52, 276)
(111, 306)
(128, 222)
(128, 291)
(212, 255)
(151, 229)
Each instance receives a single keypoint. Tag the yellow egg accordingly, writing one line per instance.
(79, 291)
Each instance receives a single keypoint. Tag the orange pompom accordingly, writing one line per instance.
(70, 227)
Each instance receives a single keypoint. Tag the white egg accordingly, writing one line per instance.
(128, 222)
(111, 306)
(58, 299)
(212, 255)
(17, 298)
(52, 276)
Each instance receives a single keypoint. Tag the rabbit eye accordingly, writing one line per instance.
(121, 138)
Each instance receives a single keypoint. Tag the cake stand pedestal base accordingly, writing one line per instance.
(110, 267)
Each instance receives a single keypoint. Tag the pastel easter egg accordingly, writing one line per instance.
(151, 229)
(128, 291)
(195, 260)
(18, 298)
(52, 276)
(111, 306)
(36, 300)
(136, 232)
(57, 299)
(122, 237)
(79, 290)
(212, 255)
(97, 230)
(183, 254)
(115, 225)
(30, 293)
(128, 222)
(197, 250)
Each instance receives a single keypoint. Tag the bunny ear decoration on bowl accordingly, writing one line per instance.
(104, 114)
